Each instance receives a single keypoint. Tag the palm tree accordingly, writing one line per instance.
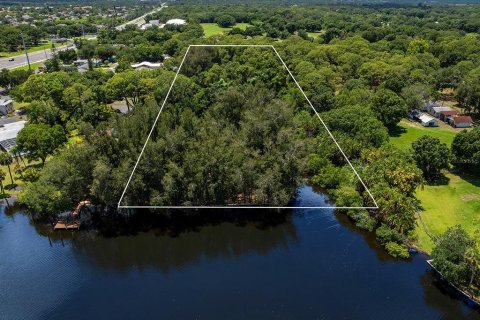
(472, 257)
(6, 160)
(18, 169)
(2, 177)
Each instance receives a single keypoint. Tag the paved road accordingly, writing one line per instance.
(6, 120)
(37, 56)
(140, 20)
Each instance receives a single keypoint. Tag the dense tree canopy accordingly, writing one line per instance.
(431, 155)
(236, 129)
(40, 140)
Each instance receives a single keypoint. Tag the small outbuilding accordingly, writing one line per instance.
(437, 111)
(428, 106)
(428, 121)
(445, 115)
(6, 106)
(461, 122)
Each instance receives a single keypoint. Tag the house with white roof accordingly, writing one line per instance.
(176, 22)
(428, 121)
(437, 111)
(9, 133)
(145, 65)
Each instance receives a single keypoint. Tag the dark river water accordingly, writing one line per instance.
(304, 264)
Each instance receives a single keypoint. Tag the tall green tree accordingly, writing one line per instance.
(431, 155)
(466, 149)
(388, 107)
(40, 140)
(6, 160)
(451, 255)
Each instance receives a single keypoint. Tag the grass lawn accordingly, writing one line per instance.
(453, 200)
(74, 140)
(409, 131)
(456, 201)
(31, 49)
(212, 29)
(40, 47)
(314, 35)
(33, 66)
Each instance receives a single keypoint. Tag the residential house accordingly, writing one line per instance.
(428, 107)
(9, 133)
(145, 65)
(461, 122)
(6, 106)
(445, 115)
(428, 121)
(176, 22)
(437, 111)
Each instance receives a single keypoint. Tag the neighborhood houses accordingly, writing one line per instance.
(433, 111)
(157, 23)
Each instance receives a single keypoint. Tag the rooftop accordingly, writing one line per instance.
(176, 21)
(425, 118)
(449, 112)
(9, 133)
(11, 130)
(5, 102)
(462, 119)
(146, 64)
(440, 109)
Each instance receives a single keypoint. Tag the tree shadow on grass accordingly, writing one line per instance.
(11, 186)
(397, 131)
(472, 177)
(439, 180)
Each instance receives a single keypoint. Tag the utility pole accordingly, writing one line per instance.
(26, 52)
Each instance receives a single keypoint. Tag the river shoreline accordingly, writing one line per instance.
(297, 264)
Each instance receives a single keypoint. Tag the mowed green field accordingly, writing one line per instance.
(212, 29)
(33, 66)
(454, 200)
(409, 131)
(314, 35)
(445, 205)
(31, 49)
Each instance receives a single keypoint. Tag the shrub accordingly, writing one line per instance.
(362, 219)
(397, 250)
(385, 234)
(31, 174)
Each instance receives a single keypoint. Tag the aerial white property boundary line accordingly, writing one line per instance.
(120, 206)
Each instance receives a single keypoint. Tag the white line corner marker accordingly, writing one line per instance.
(120, 206)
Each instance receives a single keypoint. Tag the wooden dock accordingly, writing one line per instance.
(72, 222)
(62, 225)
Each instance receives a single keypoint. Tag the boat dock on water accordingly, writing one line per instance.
(72, 221)
(63, 225)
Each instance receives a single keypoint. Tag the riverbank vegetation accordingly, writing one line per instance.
(457, 258)
(365, 69)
